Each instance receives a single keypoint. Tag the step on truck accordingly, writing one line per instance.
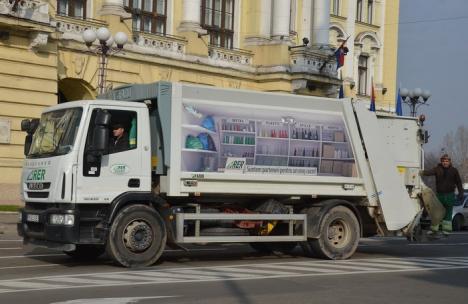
(212, 165)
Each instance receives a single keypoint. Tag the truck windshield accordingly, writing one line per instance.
(56, 133)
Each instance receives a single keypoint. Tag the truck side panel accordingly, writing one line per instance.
(398, 209)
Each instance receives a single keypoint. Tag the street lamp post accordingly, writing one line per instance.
(104, 49)
(415, 98)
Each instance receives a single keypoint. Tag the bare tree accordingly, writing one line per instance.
(456, 145)
(431, 160)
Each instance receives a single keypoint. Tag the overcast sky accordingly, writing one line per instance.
(433, 55)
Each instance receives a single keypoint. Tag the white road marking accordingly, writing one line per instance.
(11, 248)
(32, 256)
(163, 275)
(378, 264)
(305, 269)
(11, 240)
(215, 273)
(86, 281)
(418, 263)
(438, 244)
(25, 285)
(195, 249)
(339, 265)
(154, 276)
(441, 261)
(30, 266)
(112, 300)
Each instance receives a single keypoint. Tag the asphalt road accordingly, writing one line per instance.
(386, 270)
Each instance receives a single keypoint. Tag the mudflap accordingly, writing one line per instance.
(414, 231)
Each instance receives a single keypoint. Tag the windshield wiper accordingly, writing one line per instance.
(43, 154)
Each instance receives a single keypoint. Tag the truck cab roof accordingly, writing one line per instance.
(97, 102)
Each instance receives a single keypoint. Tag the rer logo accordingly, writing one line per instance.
(235, 165)
(36, 175)
(120, 169)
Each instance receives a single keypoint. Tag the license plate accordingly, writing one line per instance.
(33, 218)
(35, 186)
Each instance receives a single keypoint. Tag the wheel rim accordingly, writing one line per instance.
(338, 233)
(138, 236)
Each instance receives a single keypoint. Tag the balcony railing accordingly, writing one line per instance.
(34, 10)
(306, 60)
(223, 56)
(160, 43)
(73, 28)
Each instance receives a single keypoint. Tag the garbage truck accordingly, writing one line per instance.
(207, 165)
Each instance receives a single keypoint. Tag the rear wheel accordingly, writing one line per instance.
(137, 236)
(339, 235)
(84, 252)
(457, 223)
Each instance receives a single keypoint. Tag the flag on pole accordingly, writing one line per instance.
(341, 93)
(340, 53)
(372, 101)
(398, 108)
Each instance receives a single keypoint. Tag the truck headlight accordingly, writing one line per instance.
(62, 219)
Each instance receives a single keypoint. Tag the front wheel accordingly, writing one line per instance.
(339, 235)
(137, 236)
(457, 223)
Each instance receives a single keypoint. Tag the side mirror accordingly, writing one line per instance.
(25, 125)
(100, 139)
(103, 118)
(29, 126)
(27, 144)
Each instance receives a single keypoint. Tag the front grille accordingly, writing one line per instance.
(35, 227)
(38, 194)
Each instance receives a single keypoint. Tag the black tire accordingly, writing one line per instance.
(339, 235)
(137, 236)
(457, 223)
(85, 252)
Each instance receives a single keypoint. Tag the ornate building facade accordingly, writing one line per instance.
(245, 44)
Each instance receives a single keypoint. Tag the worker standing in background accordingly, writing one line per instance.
(447, 179)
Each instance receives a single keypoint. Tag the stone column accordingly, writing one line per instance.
(350, 65)
(306, 20)
(113, 7)
(265, 19)
(321, 24)
(191, 17)
(281, 19)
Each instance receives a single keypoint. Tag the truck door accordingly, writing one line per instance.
(118, 170)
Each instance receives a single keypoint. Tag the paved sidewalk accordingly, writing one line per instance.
(8, 222)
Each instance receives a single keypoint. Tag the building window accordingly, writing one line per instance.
(370, 11)
(148, 15)
(362, 75)
(218, 20)
(336, 7)
(72, 8)
(359, 10)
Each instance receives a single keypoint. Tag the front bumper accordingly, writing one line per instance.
(36, 229)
